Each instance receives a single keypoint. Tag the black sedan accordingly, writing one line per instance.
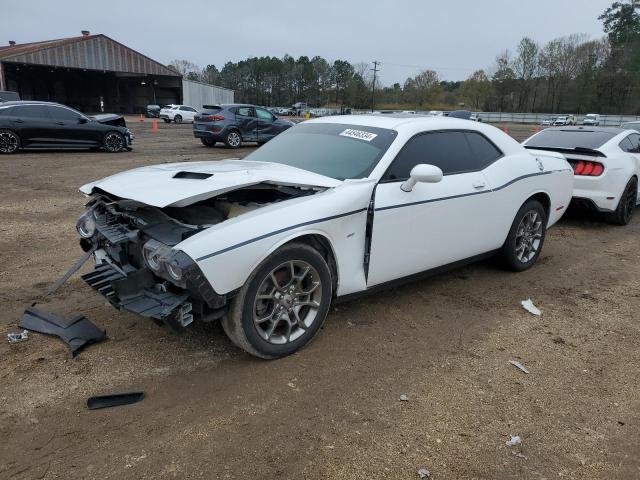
(234, 124)
(45, 125)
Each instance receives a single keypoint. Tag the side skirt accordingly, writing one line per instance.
(416, 276)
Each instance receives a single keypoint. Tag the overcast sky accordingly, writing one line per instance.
(453, 37)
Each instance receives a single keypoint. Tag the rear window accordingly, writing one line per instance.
(209, 110)
(570, 139)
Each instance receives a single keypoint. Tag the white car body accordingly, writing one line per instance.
(436, 113)
(178, 113)
(564, 120)
(592, 119)
(604, 191)
(376, 231)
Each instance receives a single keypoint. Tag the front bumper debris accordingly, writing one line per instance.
(139, 293)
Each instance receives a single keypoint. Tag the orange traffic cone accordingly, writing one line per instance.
(505, 129)
(536, 129)
(141, 118)
(154, 127)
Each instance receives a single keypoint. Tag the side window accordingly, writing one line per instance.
(30, 111)
(63, 114)
(484, 151)
(187, 109)
(448, 150)
(245, 111)
(264, 115)
(626, 145)
(634, 138)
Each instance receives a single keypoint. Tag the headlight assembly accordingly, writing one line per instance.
(174, 270)
(161, 259)
(86, 225)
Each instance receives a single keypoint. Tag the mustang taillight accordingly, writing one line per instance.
(214, 118)
(588, 169)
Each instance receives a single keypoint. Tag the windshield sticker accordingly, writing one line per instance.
(359, 134)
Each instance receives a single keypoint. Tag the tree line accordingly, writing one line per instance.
(571, 74)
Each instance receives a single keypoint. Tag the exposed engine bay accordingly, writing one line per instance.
(136, 267)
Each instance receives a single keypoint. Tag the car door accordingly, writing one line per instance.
(71, 128)
(188, 113)
(267, 128)
(435, 224)
(247, 123)
(33, 124)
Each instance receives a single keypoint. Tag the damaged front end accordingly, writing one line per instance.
(139, 273)
(137, 267)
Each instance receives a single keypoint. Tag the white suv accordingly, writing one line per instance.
(178, 113)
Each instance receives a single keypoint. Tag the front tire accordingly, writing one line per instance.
(626, 206)
(114, 142)
(166, 120)
(233, 139)
(9, 142)
(526, 237)
(283, 303)
(177, 119)
(207, 142)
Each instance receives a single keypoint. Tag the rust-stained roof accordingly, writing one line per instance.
(91, 52)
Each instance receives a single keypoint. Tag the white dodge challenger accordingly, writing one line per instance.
(331, 208)
(606, 166)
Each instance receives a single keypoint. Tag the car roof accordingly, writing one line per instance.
(395, 121)
(29, 102)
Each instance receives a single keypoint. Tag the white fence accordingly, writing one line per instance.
(536, 118)
(197, 94)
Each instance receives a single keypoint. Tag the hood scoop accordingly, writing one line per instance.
(193, 175)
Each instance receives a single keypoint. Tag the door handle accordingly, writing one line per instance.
(479, 184)
(59, 123)
(19, 121)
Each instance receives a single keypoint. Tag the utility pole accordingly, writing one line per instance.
(373, 87)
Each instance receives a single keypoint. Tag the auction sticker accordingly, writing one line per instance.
(359, 134)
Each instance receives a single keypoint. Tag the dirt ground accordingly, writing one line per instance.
(332, 410)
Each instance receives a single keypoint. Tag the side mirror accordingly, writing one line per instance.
(422, 173)
(82, 120)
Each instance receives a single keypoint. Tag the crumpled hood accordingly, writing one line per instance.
(110, 119)
(181, 184)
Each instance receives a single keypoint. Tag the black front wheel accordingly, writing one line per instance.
(526, 237)
(626, 206)
(177, 119)
(9, 141)
(282, 305)
(207, 142)
(114, 142)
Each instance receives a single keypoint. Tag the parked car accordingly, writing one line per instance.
(465, 115)
(549, 121)
(178, 113)
(45, 125)
(153, 111)
(237, 123)
(565, 120)
(606, 165)
(631, 126)
(592, 119)
(436, 113)
(332, 207)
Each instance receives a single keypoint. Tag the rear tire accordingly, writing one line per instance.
(166, 120)
(233, 139)
(626, 206)
(9, 142)
(208, 143)
(114, 142)
(526, 237)
(283, 303)
(177, 119)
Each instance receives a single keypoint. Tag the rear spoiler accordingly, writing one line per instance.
(211, 106)
(567, 151)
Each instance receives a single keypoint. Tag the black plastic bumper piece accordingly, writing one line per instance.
(138, 293)
(77, 332)
(115, 400)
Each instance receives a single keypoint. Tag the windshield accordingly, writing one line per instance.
(570, 139)
(334, 150)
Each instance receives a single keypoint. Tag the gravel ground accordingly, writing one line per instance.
(333, 410)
